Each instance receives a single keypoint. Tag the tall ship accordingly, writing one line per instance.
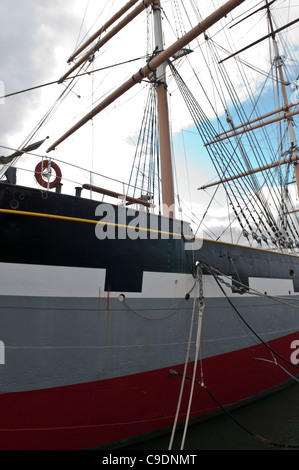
(127, 308)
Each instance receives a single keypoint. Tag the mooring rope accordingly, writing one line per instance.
(228, 413)
(255, 292)
(275, 363)
(178, 306)
(266, 441)
(184, 374)
(201, 306)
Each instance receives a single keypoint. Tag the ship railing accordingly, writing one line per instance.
(79, 181)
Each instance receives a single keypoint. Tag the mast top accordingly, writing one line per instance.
(153, 64)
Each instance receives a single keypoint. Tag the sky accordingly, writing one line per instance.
(32, 35)
(36, 39)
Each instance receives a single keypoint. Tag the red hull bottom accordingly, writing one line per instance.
(97, 413)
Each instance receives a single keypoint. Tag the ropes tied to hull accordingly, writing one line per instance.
(249, 290)
(275, 363)
(200, 307)
(175, 309)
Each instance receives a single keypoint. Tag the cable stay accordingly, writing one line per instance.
(257, 216)
(102, 41)
(53, 108)
(145, 172)
(103, 28)
(154, 64)
(253, 13)
(260, 40)
(55, 82)
(256, 189)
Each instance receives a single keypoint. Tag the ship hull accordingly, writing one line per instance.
(119, 411)
(91, 330)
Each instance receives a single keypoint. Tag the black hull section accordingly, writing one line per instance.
(61, 242)
(68, 238)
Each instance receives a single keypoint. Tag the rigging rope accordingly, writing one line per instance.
(41, 123)
(255, 143)
(261, 213)
(212, 271)
(247, 192)
(207, 132)
(72, 77)
(146, 159)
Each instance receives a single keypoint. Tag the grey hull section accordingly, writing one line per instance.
(51, 342)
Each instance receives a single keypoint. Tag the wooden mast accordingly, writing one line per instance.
(152, 66)
(163, 114)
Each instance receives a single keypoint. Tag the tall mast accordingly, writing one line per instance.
(151, 66)
(289, 118)
(164, 128)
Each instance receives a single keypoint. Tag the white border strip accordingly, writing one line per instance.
(59, 281)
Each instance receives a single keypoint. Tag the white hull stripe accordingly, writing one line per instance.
(61, 281)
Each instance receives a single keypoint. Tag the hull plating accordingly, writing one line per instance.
(98, 413)
(90, 329)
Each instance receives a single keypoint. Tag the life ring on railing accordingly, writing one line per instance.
(42, 176)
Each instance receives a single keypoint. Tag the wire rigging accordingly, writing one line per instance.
(259, 203)
(90, 72)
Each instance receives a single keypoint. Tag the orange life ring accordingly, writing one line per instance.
(43, 166)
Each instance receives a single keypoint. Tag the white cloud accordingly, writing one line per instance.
(37, 37)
